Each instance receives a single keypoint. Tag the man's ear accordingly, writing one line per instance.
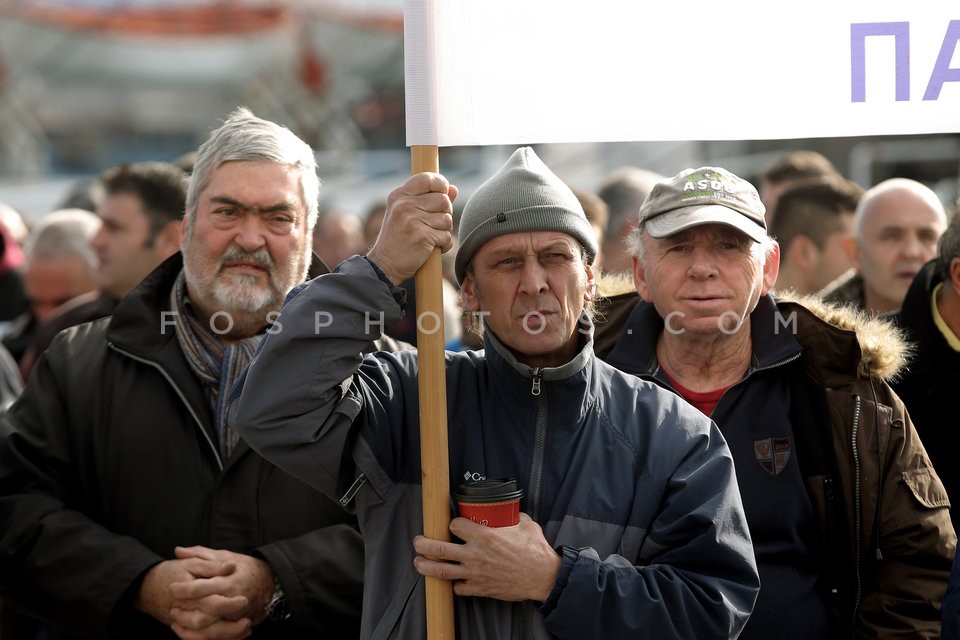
(801, 252)
(640, 279)
(852, 247)
(771, 269)
(590, 292)
(955, 274)
(469, 299)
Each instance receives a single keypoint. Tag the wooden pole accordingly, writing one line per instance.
(434, 460)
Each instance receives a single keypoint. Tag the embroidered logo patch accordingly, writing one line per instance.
(772, 454)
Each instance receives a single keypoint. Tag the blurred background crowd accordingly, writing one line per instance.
(89, 88)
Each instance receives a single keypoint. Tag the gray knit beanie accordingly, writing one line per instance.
(524, 195)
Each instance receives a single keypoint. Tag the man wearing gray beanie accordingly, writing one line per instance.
(631, 520)
(524, 195)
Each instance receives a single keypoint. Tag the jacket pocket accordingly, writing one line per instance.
(926, 488)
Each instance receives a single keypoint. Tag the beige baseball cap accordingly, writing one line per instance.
(708, 195)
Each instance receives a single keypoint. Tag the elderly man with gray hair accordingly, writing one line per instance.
(128, 506)
(849, 520)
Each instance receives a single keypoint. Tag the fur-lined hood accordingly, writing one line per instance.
(884, 349)
(613, 284)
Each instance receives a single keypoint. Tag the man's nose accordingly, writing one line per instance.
(533, 278)
(250, 235)
(702, 264)
(96, 242)
(913, 247)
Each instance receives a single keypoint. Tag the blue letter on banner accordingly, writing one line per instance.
(942, 71)
(858, 64)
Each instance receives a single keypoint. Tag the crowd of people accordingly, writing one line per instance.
(724, 403)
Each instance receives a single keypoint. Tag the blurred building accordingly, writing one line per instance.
(85, 84)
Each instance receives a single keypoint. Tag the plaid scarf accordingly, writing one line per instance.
(218, 365)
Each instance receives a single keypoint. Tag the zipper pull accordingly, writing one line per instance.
(537, 373)
(352, 491)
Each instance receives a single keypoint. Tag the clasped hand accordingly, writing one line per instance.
(207, 594)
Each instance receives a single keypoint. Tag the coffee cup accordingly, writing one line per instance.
(494, 502)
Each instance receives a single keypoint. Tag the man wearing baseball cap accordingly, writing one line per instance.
(631, 520)
(849, 520)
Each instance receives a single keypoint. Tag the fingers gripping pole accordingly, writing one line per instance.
(434, 461)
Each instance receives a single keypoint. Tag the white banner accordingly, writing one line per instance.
(484, 72)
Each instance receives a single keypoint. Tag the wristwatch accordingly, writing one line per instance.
(277, 609)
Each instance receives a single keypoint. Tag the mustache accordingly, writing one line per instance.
(260, 257)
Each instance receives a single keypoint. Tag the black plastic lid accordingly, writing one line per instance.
(489, 490)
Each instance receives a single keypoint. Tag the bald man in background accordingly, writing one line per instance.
(896, 228)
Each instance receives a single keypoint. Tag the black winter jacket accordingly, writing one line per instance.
(930, 382)
(108, 461)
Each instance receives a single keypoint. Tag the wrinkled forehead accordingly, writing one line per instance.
(529, 242)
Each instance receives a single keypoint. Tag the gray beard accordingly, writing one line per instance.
(242, 295)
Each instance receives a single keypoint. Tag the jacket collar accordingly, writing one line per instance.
(916, 318)
(138, 323)
(498, 353)
(572, 389)
(774, 341)
(845, 290)
(140, 329)
(636, 350)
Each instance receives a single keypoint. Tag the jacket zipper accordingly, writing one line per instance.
(540, 438)
(795, 356)
(856, 510)
(536, 376)
(183, 398)
(536, 471)
(750, 372)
